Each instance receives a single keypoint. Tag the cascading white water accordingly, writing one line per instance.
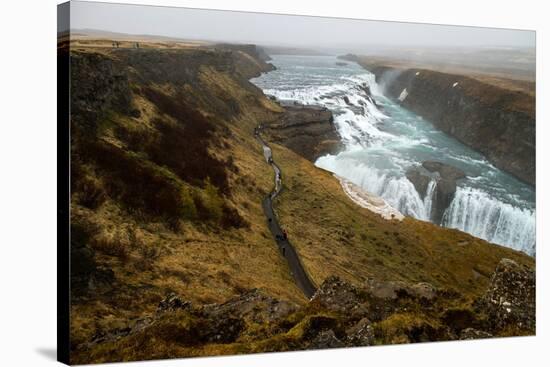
(397, 191)
(428, 199)
(356, 119)
(478, 213)
(383, 140)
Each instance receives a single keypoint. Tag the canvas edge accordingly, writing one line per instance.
(63, 186)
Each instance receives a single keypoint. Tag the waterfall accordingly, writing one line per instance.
(483, 216)
(397, 191)
(428, 199)
(403, 95)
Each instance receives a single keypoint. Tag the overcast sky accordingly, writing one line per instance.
(271, 29)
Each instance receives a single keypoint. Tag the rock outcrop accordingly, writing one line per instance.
(391, 290)
(340, 315)
(446, 178)
(97, 85)
(339, 296)
(326, 340)
(250, 60)
(360, 334)
(307, 130)
(510, 302)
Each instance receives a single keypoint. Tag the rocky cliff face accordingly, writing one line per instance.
(251, 60)
(307, 130)
(97, 85)
(496, 122)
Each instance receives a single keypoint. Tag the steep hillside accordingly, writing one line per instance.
(498, 122)
(167, 184)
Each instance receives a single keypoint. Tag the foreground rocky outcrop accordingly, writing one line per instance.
(307, 130)
(497, 122)
(509, 304)
(445, 178)
(338, 315)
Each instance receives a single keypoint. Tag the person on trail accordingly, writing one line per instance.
(284, 251)
(284, 235)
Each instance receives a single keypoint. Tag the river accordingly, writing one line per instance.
(383, 140)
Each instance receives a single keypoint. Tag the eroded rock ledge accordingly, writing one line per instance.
(306, 129)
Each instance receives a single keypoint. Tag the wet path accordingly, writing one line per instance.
(287, 250)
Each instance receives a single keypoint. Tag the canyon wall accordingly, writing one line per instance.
(496, 122)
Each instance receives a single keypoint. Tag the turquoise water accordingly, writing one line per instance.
(382, 140)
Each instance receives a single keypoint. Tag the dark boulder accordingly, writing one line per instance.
(446, 171)
(361, 334)
(419, 179)
(341, 297)
(446, 177)
(325, 340)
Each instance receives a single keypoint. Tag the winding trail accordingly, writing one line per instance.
(287, 250)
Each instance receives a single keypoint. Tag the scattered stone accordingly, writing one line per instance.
(393, 289)
(253, 306)
(471, 333)
(361, 334)
(325, 340)
(339, 296)
(172, 302)
(225, 329)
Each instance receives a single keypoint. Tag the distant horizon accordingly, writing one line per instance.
(280, 30)
(379, 50)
